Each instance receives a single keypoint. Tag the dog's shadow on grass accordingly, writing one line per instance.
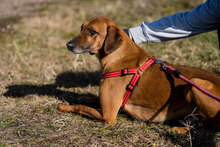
(65, 80)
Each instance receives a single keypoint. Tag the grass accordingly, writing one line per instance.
(37, 72)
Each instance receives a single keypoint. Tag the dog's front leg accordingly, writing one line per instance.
(81, 109)
(110, 97)
(106, 115)
(110, 106)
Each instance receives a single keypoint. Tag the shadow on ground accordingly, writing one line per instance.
(66, 79)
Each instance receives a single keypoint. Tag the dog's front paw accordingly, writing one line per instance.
(65, 108)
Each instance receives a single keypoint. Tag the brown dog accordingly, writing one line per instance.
(157, 97)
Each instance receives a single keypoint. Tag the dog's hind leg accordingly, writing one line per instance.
(208, 108)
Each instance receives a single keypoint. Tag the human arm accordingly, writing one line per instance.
(203, 18)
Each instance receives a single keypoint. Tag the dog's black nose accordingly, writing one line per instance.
(70, 45)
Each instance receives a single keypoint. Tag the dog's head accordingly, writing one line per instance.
(98, 35)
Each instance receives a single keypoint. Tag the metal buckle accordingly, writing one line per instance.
(163, 66)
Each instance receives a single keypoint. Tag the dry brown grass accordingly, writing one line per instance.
(37, 73)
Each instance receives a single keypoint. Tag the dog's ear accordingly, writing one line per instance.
(113, 40)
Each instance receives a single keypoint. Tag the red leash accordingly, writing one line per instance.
(177, 74)
(134, 80)
(136, 77)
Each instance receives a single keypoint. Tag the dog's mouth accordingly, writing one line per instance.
(79, 51)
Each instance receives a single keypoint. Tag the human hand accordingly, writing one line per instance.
(128, 33)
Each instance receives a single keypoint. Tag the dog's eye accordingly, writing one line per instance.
(92, 32)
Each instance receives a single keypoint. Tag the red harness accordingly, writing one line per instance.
(134, 80)
(136, 76)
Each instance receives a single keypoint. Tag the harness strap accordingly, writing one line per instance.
(130, 88)
(133, 82)
(123, 72)
(147, 64)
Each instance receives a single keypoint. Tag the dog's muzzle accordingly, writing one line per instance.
(70, 45)
(76, 50)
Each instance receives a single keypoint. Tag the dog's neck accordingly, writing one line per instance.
(121, 57)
